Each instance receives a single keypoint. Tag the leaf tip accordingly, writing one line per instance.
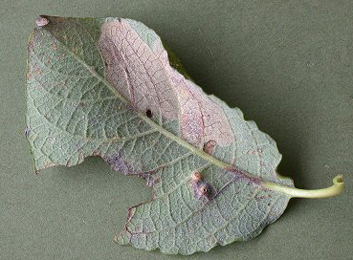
(41, 21)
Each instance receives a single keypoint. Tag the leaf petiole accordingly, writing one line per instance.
(335, 189)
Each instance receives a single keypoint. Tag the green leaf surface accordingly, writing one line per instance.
(106, 87)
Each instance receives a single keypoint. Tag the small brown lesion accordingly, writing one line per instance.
(201, 188)
(196, 176)
(209, 146)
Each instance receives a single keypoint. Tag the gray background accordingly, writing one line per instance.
(286, 64)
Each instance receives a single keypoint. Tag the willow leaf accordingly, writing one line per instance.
(108, 87)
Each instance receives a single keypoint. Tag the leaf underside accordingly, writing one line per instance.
(106, 87)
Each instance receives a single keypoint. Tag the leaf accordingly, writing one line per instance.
(106, 87)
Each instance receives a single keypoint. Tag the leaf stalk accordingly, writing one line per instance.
(334, 190)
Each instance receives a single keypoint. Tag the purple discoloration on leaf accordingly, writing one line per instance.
(202, 189)
(130, 72)
(238, 174)
(119, 163)
(150, 180)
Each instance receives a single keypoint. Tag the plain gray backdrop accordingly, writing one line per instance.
(286, 64)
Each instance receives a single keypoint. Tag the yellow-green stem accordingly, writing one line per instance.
(335, 189)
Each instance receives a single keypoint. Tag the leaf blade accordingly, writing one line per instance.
(86, 115)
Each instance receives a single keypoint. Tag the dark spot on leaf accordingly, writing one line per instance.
(27, 131)
(203, 189)
(209, 146)
(149, 113)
